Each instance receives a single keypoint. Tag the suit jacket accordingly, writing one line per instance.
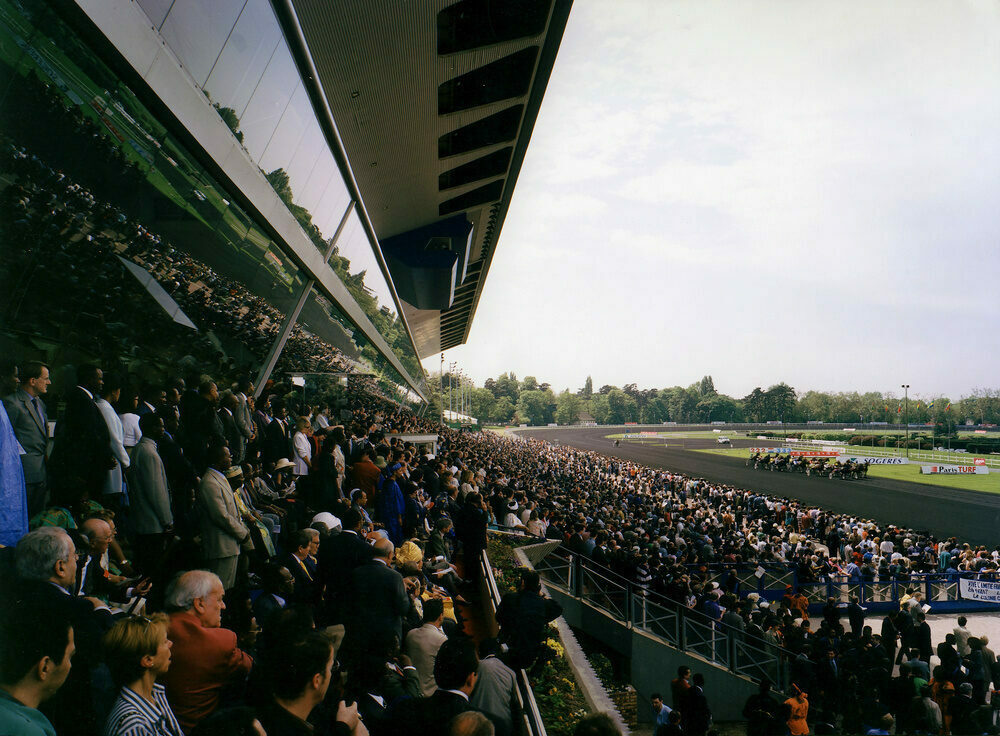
(203, 661)
(276, 442)
(82, 448)
(421, 647)
(234, 438)
(222, 530)
(426, 716)
(339, 555)
(243, 417)
(30, 431)
(378, 603)
(149, 494)
(71, 709)
(92, 580)
(265, 607)
(307, 584)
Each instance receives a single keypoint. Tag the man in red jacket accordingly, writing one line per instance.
(205, 657)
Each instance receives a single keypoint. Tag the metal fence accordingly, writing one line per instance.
(531, 718)
(658, 616)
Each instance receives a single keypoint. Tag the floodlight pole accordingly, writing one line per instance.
(906, 414)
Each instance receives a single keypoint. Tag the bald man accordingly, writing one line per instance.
(93, 579)
(378, 601)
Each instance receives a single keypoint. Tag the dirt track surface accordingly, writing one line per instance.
(968, 515)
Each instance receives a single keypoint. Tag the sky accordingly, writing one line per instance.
(761, 191)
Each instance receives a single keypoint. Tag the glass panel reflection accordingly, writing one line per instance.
(196, 31)
(117, 245)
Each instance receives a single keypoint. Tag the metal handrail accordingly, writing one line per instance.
(695, 632)
(530, 715)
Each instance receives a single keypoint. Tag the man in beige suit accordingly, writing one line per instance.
(422, 644)
(222, 531)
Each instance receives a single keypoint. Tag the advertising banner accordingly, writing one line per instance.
(815, 453)
(954, 469)
(779, 450)
(879, 460)
(979, 590)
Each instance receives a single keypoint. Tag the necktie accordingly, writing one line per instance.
(38, 410)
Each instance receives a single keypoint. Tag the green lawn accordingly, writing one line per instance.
(910, 473)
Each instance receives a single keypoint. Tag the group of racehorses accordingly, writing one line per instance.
(831, 467)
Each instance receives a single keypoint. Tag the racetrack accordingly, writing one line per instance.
(968, 515)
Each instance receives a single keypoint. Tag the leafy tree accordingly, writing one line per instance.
(707, 386)
(588, 388)
(754, 405)
(568, 406)
(536, 407)
(780, 402)
(507, 385)
(605, 390)
(491, 386)
(228, 116)
(530, 383)
(503, 410)
(599, 408)
(621, 407)
(481, 403)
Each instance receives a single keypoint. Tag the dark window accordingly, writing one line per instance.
(481, 195)
(494, 164)
(500, 127)
(470, 24)
(508, 77)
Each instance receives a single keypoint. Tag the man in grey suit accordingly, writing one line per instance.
(29, 419)
(149, 497)
(243, 415)
(222, 530)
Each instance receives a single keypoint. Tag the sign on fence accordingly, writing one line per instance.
(771, 449)
(980, 590)
(879, 460)
(954, 469)
(815, 453)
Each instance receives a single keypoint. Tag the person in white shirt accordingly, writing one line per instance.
(127, 404)
(113, 483)
(302, 447)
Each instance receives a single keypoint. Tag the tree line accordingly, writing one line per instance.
(506, 399)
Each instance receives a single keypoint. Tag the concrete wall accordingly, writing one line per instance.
(654, 663)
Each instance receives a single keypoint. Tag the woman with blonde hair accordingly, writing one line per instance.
(137, 651)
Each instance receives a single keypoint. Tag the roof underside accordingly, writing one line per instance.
(434, 102)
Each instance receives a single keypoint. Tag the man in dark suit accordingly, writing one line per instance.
(339, 556)
(523, 616)
(81, 455)
(856, 616)
(455, 670)
(276, 441)
(29, 418)
(378, 601)
(47, 560)
(308, 586)
(228, 405)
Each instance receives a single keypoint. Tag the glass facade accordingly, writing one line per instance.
(235, 52)
(119, 246)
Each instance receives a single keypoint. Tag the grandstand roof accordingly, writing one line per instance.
(434, 104)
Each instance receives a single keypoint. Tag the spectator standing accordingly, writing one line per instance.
(523, 616)
(112, 491)
(661, 711)
(962, 635)
(761, 711)
(798, 711)
(81, 455)
(495, 693)
(422, 644)
(243, 414)
(696, 716)
(679, 686)
(205, 656)
(222, 530)
(138, 652)
(302, 451)
(378, 601)
(149, 498)
(13, 493)
(29, 420)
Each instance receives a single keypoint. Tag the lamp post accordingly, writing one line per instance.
(906, 414)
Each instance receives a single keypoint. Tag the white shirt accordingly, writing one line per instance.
(303, 452)
(130, 425)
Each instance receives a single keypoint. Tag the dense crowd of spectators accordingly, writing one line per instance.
(62, 242)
